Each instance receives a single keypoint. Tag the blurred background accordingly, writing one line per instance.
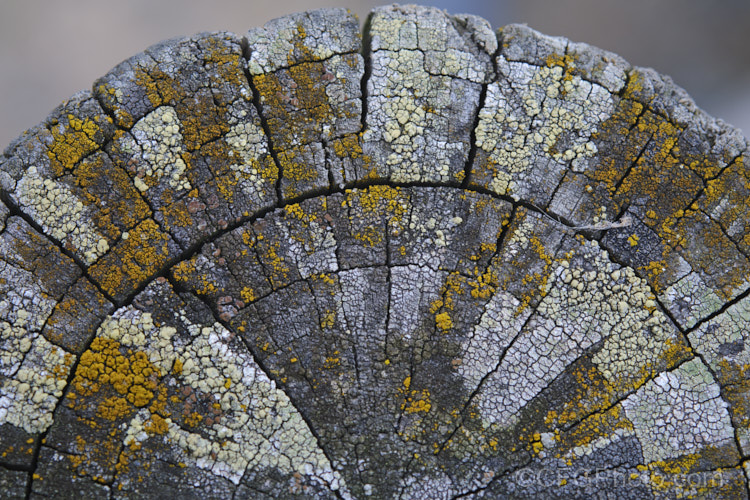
(51, 49)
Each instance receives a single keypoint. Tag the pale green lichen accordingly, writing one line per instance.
(579, 308)
(23, 311)
(29, 398)
(159, 142)
(679, 412)
(61, 213)
(545, 115)
(259, 427)
(691, 298)
(249, 143)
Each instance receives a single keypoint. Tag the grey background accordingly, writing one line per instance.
(51, 49)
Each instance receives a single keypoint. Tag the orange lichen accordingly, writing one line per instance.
(348, 150)
(297, 172)
(74, 142)
(247, 294)
(225, 59)
(484, 284)
(568, 63)
(332, 360)
(596, 426)
(443, 321)
(177, 215)
(160, 88)
(118, 208)
(328, 319)
(133, 261)
(592, 393)
(296, 95)
(129, 373)
(414, 401)
(156, 425)
(650, 165)
(536, 282)
(114, 408)
(455, 285)
(279, 269)
(377, 203)
(193, 419)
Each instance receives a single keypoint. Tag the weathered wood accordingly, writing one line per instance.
(432, 261)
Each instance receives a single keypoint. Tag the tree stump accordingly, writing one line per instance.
(426, 261)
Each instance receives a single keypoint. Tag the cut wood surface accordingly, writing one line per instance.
(423, 260)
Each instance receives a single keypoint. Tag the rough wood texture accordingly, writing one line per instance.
(433, 261)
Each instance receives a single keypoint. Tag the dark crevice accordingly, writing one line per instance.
(60, 401)
(593, 232)
(578, 74)
(197, 247)
(706, 180)
(630, 168)
(163, 272)
(494, 480)
(557, 188)
(725, 399)
(258, 104)
(719, 311)
(245, 44)
(142, 195)
(625, 395)
(179, 288)
(646, 105)
(473, 135)
(115, 472)
(569, 427)
(685, 335)
(15, 467)
(404, 474)
(58, 405)
(69, 171)
(16, 211)
(726, 235)
(628, 76)
(615, 258)
(328, 167)
(484, 378)
(498, 245)
(154, 210)
(503, 234)
(361, 185)
(729, 164)
(111, 114)
(366, 55)
(638, 117)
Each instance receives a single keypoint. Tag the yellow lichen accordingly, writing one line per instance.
(247, 295)
(328, 319)
(133, 261)
(443, 321)
(128, 372)
(73, 143)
